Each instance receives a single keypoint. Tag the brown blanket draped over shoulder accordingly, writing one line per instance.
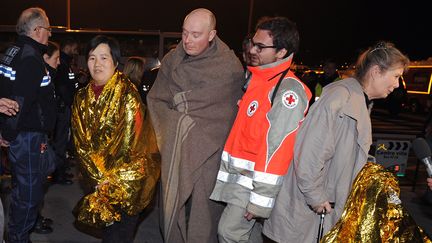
(374, 213)
(192, 105)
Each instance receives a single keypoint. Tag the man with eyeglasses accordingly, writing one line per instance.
(25, 79)
(260, 145)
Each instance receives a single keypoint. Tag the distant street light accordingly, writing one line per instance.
(251, 3)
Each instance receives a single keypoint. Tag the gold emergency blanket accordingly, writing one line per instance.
(117, 152)
(374, 213)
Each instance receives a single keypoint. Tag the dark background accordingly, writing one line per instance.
(328, 28)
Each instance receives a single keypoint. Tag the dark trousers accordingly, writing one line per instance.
(121, 232)
(61, 141)
(27, 184)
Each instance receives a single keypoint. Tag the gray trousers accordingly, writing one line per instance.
(234, 227)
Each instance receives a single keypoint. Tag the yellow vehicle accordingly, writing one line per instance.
(418, 82)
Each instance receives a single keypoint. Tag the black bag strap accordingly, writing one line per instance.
(283, 74)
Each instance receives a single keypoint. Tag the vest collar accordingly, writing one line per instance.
(269, 71)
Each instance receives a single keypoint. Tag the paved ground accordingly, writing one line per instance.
(58, 205)
(61, 199)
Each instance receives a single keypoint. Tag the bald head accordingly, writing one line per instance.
(205, 15)
(198, 31)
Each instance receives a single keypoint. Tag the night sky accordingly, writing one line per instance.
(328, 28)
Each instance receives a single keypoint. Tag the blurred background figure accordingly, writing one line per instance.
(310, 78)
(329, 75)
(66, 85)
(134, 70)
(246, 46)
(52, 58)
(115, 144)
(52, 61)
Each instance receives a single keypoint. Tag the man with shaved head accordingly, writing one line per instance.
(25, 79)
(193, 104)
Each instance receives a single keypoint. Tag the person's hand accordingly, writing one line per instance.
(8, 107)
(429, 182)
(3, 143)
(320, 208)
(249, 216)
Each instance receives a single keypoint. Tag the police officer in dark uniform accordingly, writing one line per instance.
(27, 81)
(66, 86)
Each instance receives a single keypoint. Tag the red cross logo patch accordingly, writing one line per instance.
(253, 106)
(290, 99)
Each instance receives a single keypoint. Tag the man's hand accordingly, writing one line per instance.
(8, 107)
(3, 143)
(429, 182)
(249, 216)
(320, 208)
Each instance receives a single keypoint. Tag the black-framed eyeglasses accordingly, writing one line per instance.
(259, 46)
(49, 29)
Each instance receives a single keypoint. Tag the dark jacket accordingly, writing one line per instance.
(65, 81)
(24, 78)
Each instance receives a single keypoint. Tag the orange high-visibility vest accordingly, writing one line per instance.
(260, 145)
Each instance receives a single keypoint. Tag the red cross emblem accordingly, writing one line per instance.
(290, 99)
(252, 108)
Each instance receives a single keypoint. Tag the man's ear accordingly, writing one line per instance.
(35, 34)
(212, 35)
(281, 53)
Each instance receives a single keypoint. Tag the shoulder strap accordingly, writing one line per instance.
(283, 74)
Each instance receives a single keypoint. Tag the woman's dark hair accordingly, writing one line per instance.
(134, 69)
(383, 54)
(52, 47)
(283, 31)
(111, 42)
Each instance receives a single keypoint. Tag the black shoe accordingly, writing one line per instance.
(42, 229)
(45, 221)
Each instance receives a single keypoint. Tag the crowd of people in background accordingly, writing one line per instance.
(242, 150)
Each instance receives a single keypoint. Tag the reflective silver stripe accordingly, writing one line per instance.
(237, 162)
(7, 72)
(71, 75)
(13, 74)
(225, 156)
(46, 80)
(234, 178)
(267, 178)
(260, 200)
